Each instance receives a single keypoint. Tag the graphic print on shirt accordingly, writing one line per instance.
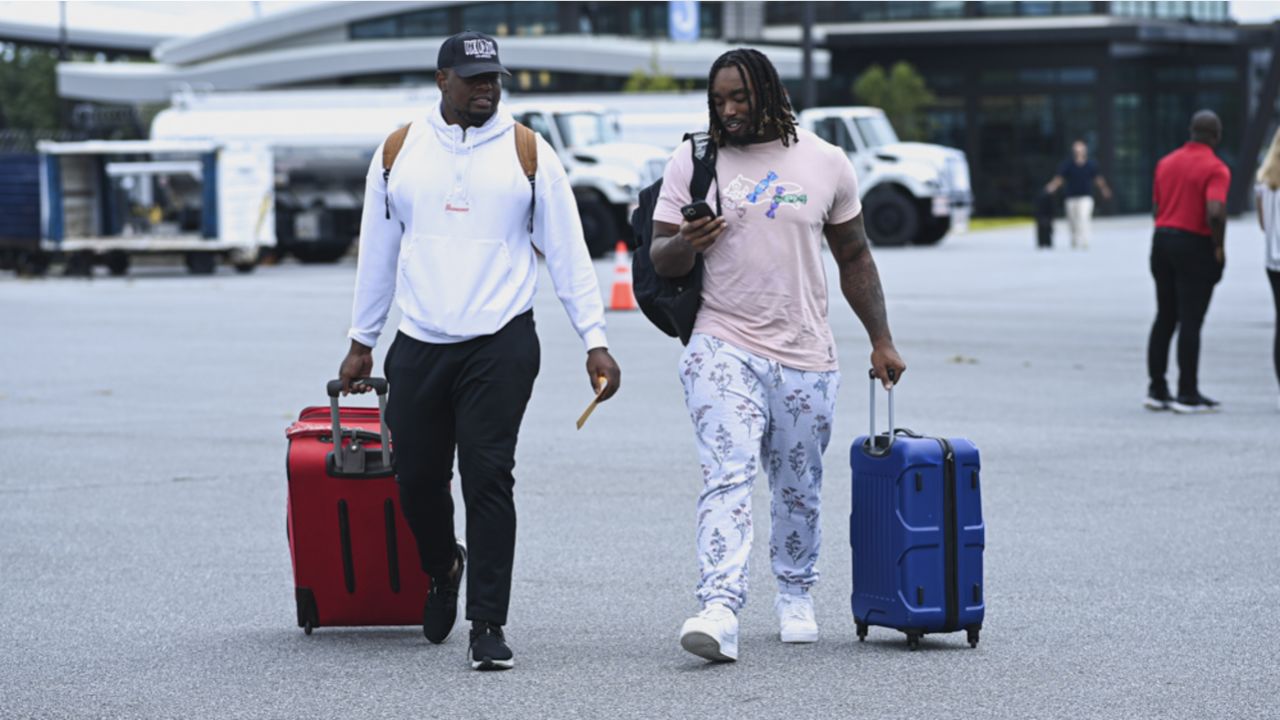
(769, 191)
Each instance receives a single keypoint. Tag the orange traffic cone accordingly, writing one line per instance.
(622, 296)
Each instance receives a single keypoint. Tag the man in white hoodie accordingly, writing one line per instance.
(455, 224)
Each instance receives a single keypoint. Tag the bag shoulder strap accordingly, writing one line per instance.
(704, 167)
(391, 148)
(527, 152)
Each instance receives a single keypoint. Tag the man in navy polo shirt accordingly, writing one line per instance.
(1187, 258)
(1079, 174)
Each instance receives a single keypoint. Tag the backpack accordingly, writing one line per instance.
(671, 303)
(526, 151)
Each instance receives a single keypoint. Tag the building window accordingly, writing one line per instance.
(1040, 76)
(489, 18)
(711, 19)
(1039, 9)
(1217, 74)
(998, 9)
(1198, 10)
(648, 19)
(791, 13)
(1129, 176)
(534, 18)
(1073, 8)
(945, 122)
(426, 23)
(1035, 8)
(377, 29)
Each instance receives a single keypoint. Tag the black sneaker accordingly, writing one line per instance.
(489, 649)
(441, 610)
(1193, 404)
(1157, 399)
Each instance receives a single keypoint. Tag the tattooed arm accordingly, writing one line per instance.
(860, 283)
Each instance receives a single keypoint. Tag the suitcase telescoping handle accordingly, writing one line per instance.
(873, 447)
(379, 386)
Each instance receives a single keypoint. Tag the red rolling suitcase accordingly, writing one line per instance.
(354, 560)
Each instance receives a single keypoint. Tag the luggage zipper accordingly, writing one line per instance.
(949, 533)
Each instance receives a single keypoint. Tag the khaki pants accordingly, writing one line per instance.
(1079, 216)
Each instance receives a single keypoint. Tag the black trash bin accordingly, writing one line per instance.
(1044, 220)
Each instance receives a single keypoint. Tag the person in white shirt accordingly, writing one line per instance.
(456, 226)
(1268, 204)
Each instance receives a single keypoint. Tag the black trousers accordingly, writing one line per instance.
(1185, 271)
(470, 396)
(1274, 277)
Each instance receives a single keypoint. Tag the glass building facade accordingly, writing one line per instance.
(1015, 98)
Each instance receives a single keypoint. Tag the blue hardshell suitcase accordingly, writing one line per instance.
(917, 533)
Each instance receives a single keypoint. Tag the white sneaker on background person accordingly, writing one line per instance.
(712, 634)
(796, 623)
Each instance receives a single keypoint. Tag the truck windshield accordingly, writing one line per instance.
(876, 130)
(582, 129)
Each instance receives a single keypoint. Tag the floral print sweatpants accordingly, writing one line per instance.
(750, 414)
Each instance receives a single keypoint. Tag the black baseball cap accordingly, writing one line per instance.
(469, 54)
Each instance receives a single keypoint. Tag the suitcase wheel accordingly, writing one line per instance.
(973, 637)
(913, 641)
(307, 628)
(862, 632)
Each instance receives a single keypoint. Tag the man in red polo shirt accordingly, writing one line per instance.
(1187, 257)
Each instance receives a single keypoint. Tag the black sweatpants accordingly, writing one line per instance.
(1185, 271)
(1274, 277)
(470, 396)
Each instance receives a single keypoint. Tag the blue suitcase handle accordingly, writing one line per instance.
(873, 446)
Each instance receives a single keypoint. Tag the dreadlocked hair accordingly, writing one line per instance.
(770, 105)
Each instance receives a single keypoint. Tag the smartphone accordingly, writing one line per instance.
(695, 210)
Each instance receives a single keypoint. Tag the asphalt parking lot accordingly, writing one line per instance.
(1131, 569)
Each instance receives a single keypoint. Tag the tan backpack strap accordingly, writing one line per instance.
(391, 148)
(527, 150)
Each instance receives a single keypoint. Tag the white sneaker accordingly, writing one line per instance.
(712, 634)
(796, 623)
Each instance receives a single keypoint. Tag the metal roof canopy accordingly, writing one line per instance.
(121, 147)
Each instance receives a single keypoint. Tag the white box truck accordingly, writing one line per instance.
(322, 142)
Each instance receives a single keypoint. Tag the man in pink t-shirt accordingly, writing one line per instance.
(760, 372)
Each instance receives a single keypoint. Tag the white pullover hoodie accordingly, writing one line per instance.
(456, 250)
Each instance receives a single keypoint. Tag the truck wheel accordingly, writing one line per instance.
(117, 262)
(892, 219)
(201, 263)
(933, 231)
(32, 263)
(327, 251)
(79, 264)
(598, 226)
(8, 259)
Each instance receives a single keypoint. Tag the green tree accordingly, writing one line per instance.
(901, 93)
(653, 80)
(28, 88)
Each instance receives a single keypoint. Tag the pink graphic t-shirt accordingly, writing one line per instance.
(764, 288)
